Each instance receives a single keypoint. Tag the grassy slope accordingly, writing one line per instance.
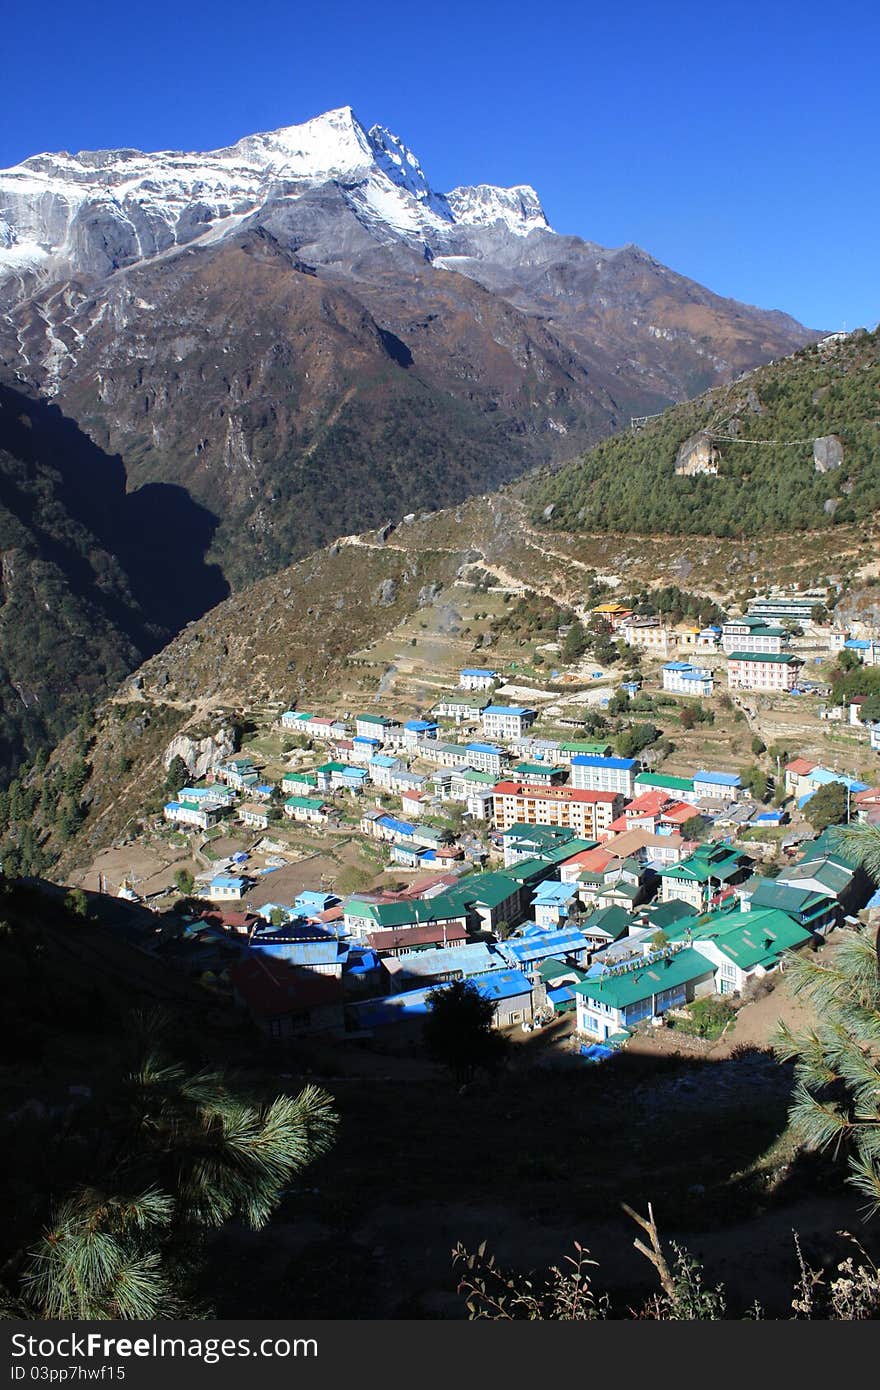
(627, 483)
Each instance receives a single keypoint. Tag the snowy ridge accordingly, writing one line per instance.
(97, 210)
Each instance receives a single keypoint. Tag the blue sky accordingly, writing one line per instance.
(735, 142)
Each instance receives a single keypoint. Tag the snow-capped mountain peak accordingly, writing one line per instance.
(483, 205)
(98, 210)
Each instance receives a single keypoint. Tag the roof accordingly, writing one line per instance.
(579, 746)
(477, 671)
(526, 770)
(542, 945)
(484, 748)
(664, 782)
(517, 710)
(383, 760)
(381, 719)
(758, 937)
(503, 984)
(227, 881)
(553, 793)
(611, 921)
(779, 658)
(707, 862)
(647, 978)
(594, 760)
(800, 766)
(271, 988)
(391, 939)
(486, 890)
(718, 779)
(305, 803)
(419, 725)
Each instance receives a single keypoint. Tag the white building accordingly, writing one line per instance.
(681, 678)
(752, 635)
(507, 721)
(592, 773)
(477, 678)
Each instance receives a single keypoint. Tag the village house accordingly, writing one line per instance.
(416, 731)
(507, 721)
(215, 795)
(394, 942)
(681, 678)
(615, 1000)
(586, 813)
(648, 634)
(751, 634)
(295, 721)
(225, 888)
(323, 727)
(703, 874)
(797, 773)
(588, 747)
(682, 787)
(374, 726)
(477, 678)
(521, 841)
(552, 902)
(200, 814)
(361, 750)
(381, 768)
(604, 926)
(485, 757)
(532, 944)
(770, 671)
(723, 786)
(615, 614)
(794, 608)
(465, 781)
(540, 774)
(818, 911)
(310, 809)
(592, 773)
(284, 1002)
(744, 945)
(254, 815)
(459, 709)
(238, 773)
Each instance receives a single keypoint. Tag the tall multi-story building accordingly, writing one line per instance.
(770, 671)
(587, 813)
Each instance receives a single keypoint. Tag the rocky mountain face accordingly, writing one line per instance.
(82, 593)
(306, 337)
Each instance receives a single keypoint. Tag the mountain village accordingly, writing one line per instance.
(570, 883)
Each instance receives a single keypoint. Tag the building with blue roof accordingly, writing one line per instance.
(485, 757)
(552, 902)
(226, 888)
(590, 772)
(476, 678)
(507, 721)
(681, 678)
(534, 946)
(725, 786)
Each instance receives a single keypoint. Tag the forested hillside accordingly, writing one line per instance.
(762, 429)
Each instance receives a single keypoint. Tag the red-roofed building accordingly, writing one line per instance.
(284, 1001)
(587, 813)
(593, 861)
(240, 922)
(797, 769)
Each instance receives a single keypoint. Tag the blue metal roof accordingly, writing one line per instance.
(718, 779)
(402, 827)
(419, 725)
(544, 946)
(362, 738)
(506, 709)
(593, 760)
(227, 881)
(476, 671)
(383, 760)
(484, 748)
(503, 984)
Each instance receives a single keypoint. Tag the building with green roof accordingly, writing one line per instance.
(743, 944)
(622, 996)
(583, 748)
(703, 873)
(663, 782)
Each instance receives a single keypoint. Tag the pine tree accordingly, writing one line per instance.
(836, 1102)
